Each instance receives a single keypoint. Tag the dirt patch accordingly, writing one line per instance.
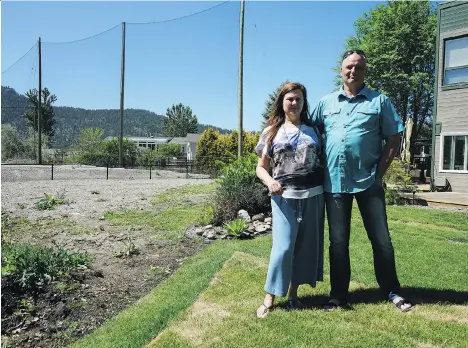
(64, 311)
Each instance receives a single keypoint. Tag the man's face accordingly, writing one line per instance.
(353, 70)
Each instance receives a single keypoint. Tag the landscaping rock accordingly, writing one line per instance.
(211, 235)
(244, 215)
(268, 219)
(261, 228)
(258, 217)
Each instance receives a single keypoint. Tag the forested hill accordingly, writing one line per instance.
(70, 120)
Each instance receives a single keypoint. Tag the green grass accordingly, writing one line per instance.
(174, 210)
(209, 301)
(180, 193)
(432, 217)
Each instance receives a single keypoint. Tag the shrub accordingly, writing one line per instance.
(30, 266)
(239, 188)
(150, 156)
(396, 174)
(216, 150)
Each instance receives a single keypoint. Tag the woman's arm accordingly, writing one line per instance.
(263, 166)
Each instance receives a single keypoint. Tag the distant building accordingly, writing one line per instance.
(450, 119)
(188, 144)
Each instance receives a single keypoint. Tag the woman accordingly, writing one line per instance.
(293, 145)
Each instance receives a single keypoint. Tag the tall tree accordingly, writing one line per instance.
(269, 105)
(47, 110)
(179, 121)
(12, 142)
(399, 39)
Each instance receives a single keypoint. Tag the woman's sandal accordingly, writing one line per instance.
(259, 313)
(400, 303)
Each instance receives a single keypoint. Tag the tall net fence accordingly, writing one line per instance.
(167, 62)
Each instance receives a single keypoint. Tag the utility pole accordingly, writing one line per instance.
(39, 106)
(241, 81)
(122, 84)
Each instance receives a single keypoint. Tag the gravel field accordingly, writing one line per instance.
(86, 187)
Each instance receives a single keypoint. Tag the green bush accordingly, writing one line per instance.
(239, 188)
(152, 157)
(31, 266)
(216, 150)
(106, 152)
(397, 174)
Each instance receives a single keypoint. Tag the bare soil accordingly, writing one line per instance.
(63, 311)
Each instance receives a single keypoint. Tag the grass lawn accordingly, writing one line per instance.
(210, 300)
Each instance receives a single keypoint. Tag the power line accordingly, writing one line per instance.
(86, 38)
(181, 17)
(24, 55)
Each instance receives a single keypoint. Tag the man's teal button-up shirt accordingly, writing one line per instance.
(354, 130)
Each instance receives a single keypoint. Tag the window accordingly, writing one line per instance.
(455, 154)
(456, 61)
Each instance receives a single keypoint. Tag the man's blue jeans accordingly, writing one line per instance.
(371, 204)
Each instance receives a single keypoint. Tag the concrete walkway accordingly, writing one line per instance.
(439, 198)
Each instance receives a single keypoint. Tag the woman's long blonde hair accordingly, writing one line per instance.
(277, 116)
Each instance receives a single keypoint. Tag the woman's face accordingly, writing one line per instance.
(293, 102)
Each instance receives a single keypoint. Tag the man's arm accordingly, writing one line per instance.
(388, 154)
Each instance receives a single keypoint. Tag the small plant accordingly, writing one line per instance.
(129, 248)
(159, 272)
(236, 227)
(48, 202)
(21, 205)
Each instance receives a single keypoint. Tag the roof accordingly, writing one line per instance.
(190, 138)
(145, 139)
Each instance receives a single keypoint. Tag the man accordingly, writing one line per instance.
(355, 121)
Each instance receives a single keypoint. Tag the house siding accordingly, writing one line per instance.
(452, 104)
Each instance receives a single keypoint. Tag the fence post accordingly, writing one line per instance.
(52, 171)
(107, 171)
(186, 168)
(150, 171)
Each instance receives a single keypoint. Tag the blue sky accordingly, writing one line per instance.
(193, 60)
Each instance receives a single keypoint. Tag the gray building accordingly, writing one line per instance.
(450, 120)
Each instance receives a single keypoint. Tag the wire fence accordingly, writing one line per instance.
(61, 168)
